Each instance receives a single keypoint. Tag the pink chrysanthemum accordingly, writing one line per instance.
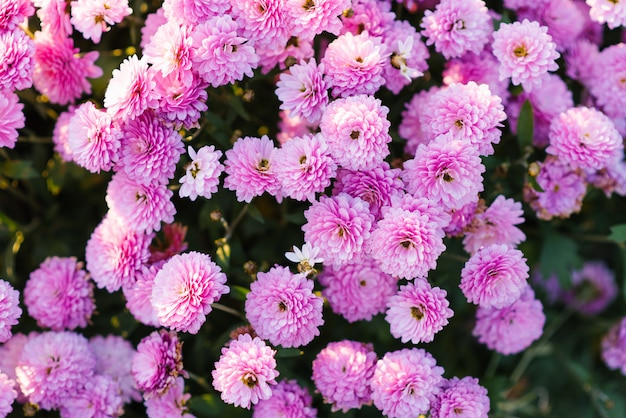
(312, 17)
(10, 353)
(250, 168)
(564, 18)
(151, 24)
(457, 27)
(468, 112)
(288, 400)
(171, 404)
(526, 53)
(410, 127)
(513, 328)
(611, 12)
(262, 21)
(115, 254)
(157, 363)
(12, 118)
(10, 310)
(495, 276)
(437, 216)
(446, 171)
(405, 382)
(245, 371)
(100, 397)
(418, 311)
(8, 394)
(16, 50)
(581, 59)
(585, 138)
(593, 288)
(54, 17)
(112, 355)
(138, 294)
(283, 309)
(94, 17)
(408, 55)
(202, 174)
(93, 139)
(59, 294)
(372, 16)
(461, 219)
(495, 225)
(184, 290)
(461, 398)
(302, 91)
(354, 64)
(181, 105)
(342, 372)
(304, 167)
(170, 50)
(131, 89)
(60, 135)
(13, 13)
(138, 206)
(357, 131)
(294, 51)
(194, 12)
(605, 79)
(614, 347)
(610, 180)
(357, 291)
(338, 227)
(53, 366)
(149, 150)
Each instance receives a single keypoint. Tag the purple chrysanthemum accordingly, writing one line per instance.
(304, 167)
(342, 372)
(357, 131)
(461, 398)
(614, 347)
(60, 134)
(354, 64)
(526, 53)
(250, 168)
(414, 112)
(593, 288)
(13, 13)
(461, 219)
(184, 290)
(94, 17)
(53, 366)
(611, 12)
(100, 397)
(245, 371)
(585, 138)
(10, 353)
(170, 51)
(112, 355)
(457, 27)
(8, 394)
(294, 51)
(283, 309)
(357, 291)
(374, 17)
(262, 21)
(438, 217)
(181, 105)
(408, 55)
(495, 276)
(604, 75)
(12, 118)
(288, 400)
(59, 294)
(10, 310)
(171, 404)
(511, 329)
(610, 180)
(303, 91)
(138, 295)
(312, 17)
(405, 382)
(338, 227)
(16, 50)
(418, 311)
(93, 139)
(157, 363)
(202, 174)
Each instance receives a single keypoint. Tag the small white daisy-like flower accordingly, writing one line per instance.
(306, 258)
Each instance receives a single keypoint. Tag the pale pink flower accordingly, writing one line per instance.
(94, 17)
(202, 174)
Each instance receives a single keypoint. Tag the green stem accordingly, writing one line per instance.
(200, 380)
(492, 366)
(226, 309)
(231, 228)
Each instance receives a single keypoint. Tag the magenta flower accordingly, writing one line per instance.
(526, 53)
(288, 400)
(99, 397)
(295, 50)
(342, 372)
(60, 135)
(170, 51)
(461, 398)
(511, 329)
(13, 13)
(461, 219)
(604, 75)
(16, 50)
(59, 294)
(245, 371)
(138, 294)
(264, 22)
(171, 404)
(308, 18)
(303, 91)
(10, 353)
(410, 127)
(613, 347)
(250, 168)
(8, 394)
(357, 131)
(152, 23)
(374, 17)
(418, 311)
(283, 309)
(54, 17)
(436, 214)
(181, 105)
(607, 11)
(94, 17)
(338, 227)
(194, 12)
(112, 355)
(202, 174)
(405, 382)
(184, 290)
(354, 64)
(12, 117)
(10, 310)
(93, 139)
(593, 288)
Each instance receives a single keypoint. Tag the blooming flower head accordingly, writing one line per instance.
(302, 90)
(354, 64)
(262, 21)
(410, 127)
(357, 291)
(613, 13)
(138, 294)
(604, 77)
(171, 404)
(250, 168)
(60, 71)
(157, 363)
(614, 347)
(288, 400)
(418, 311)
(151, 24)
(8, 394)
(112, 355)
(408, 55)
(306, 258)
(94, 17)
(357, 131)
(180, 104)
(60, 135)
(405, 382)
(10, 310)
(295, 50)
(610, 180)
(99, 397)
(495, 276)
(12, 118)
(457, 27)
(513, 328)
(202, 173)
(245, 371)
(93, 139)
(593, 288)
(194, 12)
(585, 138)
(525, 51)
(304, 167)
(59, 295)
(53, 366)
(283, 309)
(461, 398)
(13, 12)
(312, 17)
(16, 50)
(372, 16)
(54, 17)
(184, 290)
(342, 372)
(170, 50)
(338, 227)
(581, 59)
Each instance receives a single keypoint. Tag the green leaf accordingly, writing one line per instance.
(559, 255)
(238, 292)
(618, 233)
(533, 183)
(18, 169)
(525, 126)
(254, 212)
